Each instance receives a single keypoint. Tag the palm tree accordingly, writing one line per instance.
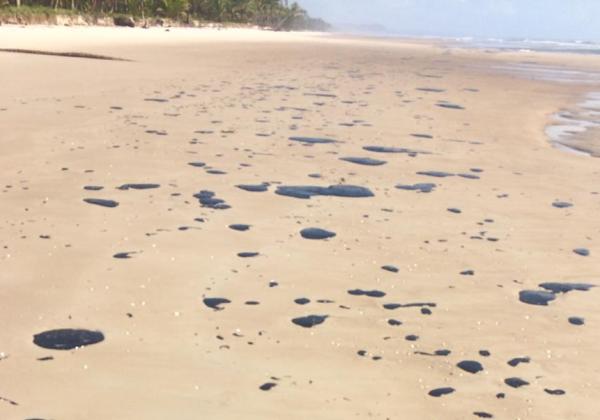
(291, 15)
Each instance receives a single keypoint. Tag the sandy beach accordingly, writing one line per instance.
(462, 198)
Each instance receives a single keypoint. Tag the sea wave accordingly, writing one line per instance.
(537, 45)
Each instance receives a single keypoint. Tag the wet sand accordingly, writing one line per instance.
(243, 224)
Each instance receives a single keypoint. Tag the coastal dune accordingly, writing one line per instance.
(126, 188)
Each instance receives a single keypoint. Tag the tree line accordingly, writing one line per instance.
(278, 14)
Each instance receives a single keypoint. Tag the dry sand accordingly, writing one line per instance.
(232, 100)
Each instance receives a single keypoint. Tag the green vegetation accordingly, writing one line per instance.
(27, 11)
(277, 14)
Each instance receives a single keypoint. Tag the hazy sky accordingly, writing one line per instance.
(548, 19)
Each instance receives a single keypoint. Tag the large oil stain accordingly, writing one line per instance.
(313, 140)
(316, 233)
(310, 320)
(308, 191)
(215, 303)
(209, 199)
(364, 161)
(102, 202)
(67, 339)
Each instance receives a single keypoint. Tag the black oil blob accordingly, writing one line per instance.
(566, 287)
(518, 360)
(215, 172)
(411, 337)
(321, 95)
(431, 90)
(316, 233)
(239, 227)
(575, 320)
(197, 164)
(369, 293)
(61, 54)
(562, 204)
(470, 366)
(394, 322)
(385, 149)
(536, 297)
(101, 202)
(248, 254)
(454, 210)
(215, 303)
(310, 320)
(208, 199)
(584, 252)
(122, 255)
(483, 415)
(126, 187)
(93, 188)
(267, 386)
(469, 176)
(422, 136)
(390, 268)
(67, 339)
(313, 140)
(302, 301)
(515, 382)
(442, 353)
(554, 391)
(449, 105)
(392, 306)
(157, 132)
(467, 273)
(254, 188)
(438, 392)
(435, 174)
(424, 187)
(364, 161)
(484, 353)
(306, 192)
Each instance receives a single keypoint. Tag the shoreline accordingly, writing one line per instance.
(575, 128)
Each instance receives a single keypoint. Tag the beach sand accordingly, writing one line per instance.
(231, 100)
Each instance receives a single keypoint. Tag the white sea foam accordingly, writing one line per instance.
(537, 71)
(570, 129)
(537, 45)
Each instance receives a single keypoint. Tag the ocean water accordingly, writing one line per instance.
(561, 74)
(531, 45)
